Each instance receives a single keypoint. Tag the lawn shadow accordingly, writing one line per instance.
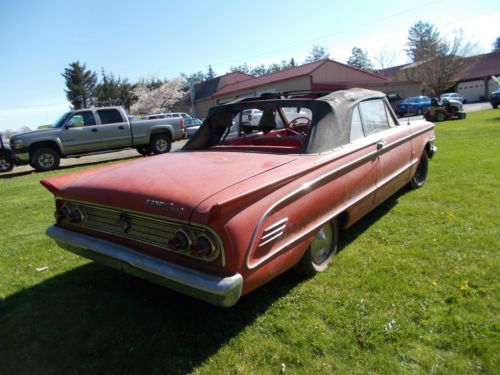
(24, 173)
(94, 319)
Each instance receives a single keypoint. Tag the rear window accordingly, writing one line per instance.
(109, 116)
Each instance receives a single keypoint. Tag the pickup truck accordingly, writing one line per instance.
(92, 130)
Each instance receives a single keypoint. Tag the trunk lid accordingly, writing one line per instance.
(170, 185)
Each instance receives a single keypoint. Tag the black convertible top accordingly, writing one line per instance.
(330, 125)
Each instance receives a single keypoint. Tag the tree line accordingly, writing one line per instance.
(439, 62)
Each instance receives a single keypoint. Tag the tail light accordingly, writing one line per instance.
(180, 242)
(249, 117)
(69, 213)
(182, 123)
(203, 247)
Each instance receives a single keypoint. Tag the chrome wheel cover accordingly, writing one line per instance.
(161, 145)
(46, 160)
(321, 246)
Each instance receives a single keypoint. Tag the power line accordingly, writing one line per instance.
(329, 35)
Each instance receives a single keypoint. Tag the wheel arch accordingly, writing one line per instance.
(48, 143)
(161, 130)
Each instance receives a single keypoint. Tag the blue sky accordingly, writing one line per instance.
(38, 39)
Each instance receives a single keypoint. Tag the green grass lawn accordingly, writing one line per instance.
(415, 289)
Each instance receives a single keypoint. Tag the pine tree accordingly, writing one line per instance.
(496, 45)
(80, 83)
(317, 53)
(424, 42)
(210, 73)
(359, 59)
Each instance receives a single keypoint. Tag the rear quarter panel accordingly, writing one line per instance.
(320, 187)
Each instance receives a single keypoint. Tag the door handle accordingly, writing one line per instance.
(380, 144)
(121, 127)
(95, 130)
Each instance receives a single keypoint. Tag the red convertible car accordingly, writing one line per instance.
(231, 211)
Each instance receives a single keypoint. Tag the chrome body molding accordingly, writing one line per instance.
(273, 231)
(218, 290)
(331, 174)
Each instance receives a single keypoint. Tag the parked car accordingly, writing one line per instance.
(192, 125)
(231, 211)
(252, 117)
(93, 130)
(495, 98)
(5, 164)
(453, 96)
(416, 105)
(157, 116)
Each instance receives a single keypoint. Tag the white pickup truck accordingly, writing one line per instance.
(92, 130)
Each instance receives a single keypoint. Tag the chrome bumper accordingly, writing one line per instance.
(220, 291)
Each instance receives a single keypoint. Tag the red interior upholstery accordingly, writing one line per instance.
(278, 137)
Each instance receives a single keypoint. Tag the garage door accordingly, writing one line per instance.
(472, 91)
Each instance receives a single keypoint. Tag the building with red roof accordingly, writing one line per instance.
(320, 75)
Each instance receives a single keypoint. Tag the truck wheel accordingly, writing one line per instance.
(321, 250)
(6, 166)
(144, 150)
(45, 159)
(160, 143)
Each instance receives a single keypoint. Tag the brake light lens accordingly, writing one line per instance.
(182, 123)
(180, 242)
(203, 247)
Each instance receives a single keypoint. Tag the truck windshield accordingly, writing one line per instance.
(60, 121)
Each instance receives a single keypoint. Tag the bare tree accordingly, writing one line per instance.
(443, 69)
(385, 57)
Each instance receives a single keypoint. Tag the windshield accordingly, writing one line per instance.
(60, 121)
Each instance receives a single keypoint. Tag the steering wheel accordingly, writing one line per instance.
(300, 123)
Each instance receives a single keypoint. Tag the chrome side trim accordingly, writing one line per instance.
(276, 235)
(272, 233)
(325, 176)
(218, 290)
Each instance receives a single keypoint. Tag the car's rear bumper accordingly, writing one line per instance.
(220, 291)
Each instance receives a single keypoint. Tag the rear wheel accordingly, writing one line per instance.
(160, 143)
(418, 179)
(321, 250)
(440, 116)
(45, 159)
(419, 112)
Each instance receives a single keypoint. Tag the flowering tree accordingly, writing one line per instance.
(155, 96)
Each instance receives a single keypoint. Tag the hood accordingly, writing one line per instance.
(35, 133)
(171, 185)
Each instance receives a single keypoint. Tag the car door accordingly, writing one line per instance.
(393, 147)
(80, 133)
(114, 129)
